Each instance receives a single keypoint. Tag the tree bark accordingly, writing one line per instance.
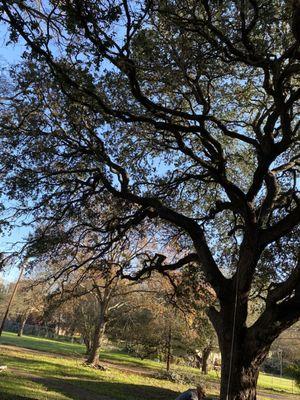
(238, 381)
(242, 354)
(169, 340)
(58, 325)
(88, 345)
(93, 357)
(205, 355)
(22, 323)
(243, 348)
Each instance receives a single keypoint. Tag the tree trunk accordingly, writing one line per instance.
(169, 340)
(242, 353)
(240, 364)
(93, 358)
(22, 323)
(198, 360)
(239, 374)
(57, 326)
(88, 344)
(205, 355)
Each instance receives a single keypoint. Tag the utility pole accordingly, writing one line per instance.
(281, 361)
(11, 298)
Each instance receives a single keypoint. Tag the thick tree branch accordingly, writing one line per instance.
(281, 228)
(281, 290)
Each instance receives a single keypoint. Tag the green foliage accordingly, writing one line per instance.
(187, 378)
(92, 113)
(294, 371)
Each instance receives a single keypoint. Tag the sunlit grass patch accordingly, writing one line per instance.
(42, 344)
(14, 387)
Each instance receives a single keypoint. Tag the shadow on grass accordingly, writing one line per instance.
(124, 359)
(83, 386)
(52, 346)
(44, 367)
(92, 390)
(12, 397)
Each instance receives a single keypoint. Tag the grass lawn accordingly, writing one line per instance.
(41, 376)
(56, 372)
(38, 343)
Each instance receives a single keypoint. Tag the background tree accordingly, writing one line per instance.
(85, 298)
(11, 298)
(28, 301)
(149, 329)
(154, 324)
(185, 118)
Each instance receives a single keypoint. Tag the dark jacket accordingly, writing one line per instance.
(190, 394)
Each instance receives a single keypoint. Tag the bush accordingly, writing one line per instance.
(271, 365)
(294, 371)
(179, 377)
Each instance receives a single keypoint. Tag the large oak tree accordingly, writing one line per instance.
(183, 117)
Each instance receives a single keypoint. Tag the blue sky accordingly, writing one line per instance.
(10, 54)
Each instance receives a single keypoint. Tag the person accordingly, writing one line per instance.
(192, 394)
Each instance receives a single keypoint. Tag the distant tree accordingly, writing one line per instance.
(135, 327)
(151, 324)
(184, 117)
(11, 298)
(204, 343)
(28, 302)
(2, 290)
(192, 296)
(285, 352)
(150, 329)
(85, 301)
(106, 289)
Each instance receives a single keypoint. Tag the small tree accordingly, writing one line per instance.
(29, 301)
(86, 300)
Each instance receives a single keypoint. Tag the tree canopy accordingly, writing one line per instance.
(173, 127)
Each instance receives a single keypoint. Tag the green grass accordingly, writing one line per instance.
(42, 344)
(53, 370)
(17, 388)
(274, 383)
(53, 373)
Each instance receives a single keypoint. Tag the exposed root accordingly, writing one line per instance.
(96, 366)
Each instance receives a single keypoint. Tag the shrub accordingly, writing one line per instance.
(294, 371)
(179, 377)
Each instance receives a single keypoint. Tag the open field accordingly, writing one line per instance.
(45, 369)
